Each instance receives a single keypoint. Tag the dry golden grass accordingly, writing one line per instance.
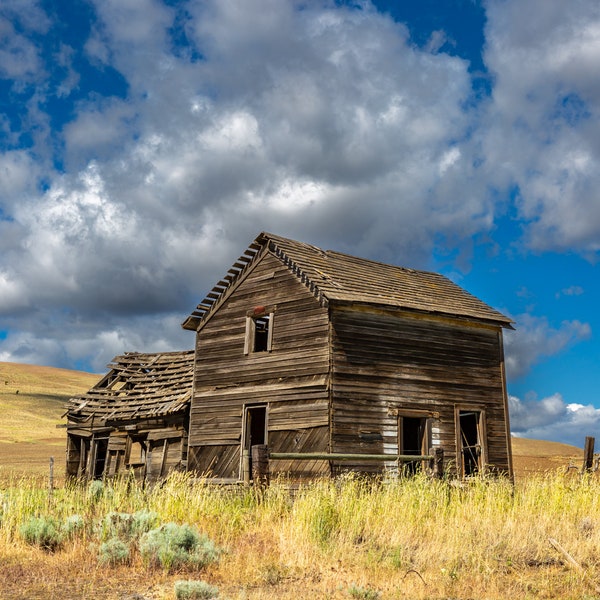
(415, 539)
(32, 402)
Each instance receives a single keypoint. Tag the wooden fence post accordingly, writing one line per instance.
(246, 466)
(260, 465)
(588, 454)
(438, 463)
(51, 482)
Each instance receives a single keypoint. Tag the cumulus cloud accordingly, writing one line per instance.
(552, 418)
(324, 124)
(321, 122)
(544, 118)
(535, 339)
(19, 55)
(76, 342)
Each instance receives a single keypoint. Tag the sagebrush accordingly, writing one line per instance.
(411, 538)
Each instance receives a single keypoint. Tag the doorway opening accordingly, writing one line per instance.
(254, 433)
(472, 449)
(99, 451)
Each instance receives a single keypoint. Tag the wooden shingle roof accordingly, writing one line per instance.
(336, 277)
(138, 386)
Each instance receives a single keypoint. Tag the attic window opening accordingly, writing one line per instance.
(259, 332)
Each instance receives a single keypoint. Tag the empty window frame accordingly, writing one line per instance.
(470, 441)
(414, 439)
(259, 331)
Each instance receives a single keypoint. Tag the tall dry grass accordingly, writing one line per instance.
(352, 537)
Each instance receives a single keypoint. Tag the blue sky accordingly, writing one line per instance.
(145, 143)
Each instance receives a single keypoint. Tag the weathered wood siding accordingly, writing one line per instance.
(291, 379)
(386, 362)
(165, 452)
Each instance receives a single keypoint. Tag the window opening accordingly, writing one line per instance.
(77, 455)
(470, 442)
(261, 333)
(414, 440)
(259, 330)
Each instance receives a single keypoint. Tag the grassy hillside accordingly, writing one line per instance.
(539, 456)
(32, 402)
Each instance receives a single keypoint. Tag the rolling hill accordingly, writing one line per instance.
(32, 404)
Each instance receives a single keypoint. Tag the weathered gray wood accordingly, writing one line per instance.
(438, 463)
(347, 457)
(403, 363)
(365, 359)
(260, 465)
(588, 454)
(294, 373)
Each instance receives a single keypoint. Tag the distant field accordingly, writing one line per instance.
(539, 456)
(32, 404)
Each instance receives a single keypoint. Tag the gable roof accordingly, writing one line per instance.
(335, 277)
(138, 386)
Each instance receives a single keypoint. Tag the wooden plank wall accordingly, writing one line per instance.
(293, 374)
(77, 448)
(384, 362)
(166, 450)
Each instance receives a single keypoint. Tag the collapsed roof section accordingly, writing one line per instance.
(137, 387)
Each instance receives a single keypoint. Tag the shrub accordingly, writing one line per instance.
(144, 521)
(44, 532)
(73, 525)
(126, 526)
(172, 546)
(114, 552)
(195, 590)
(361, 593)
(115, 525)
(95, 490)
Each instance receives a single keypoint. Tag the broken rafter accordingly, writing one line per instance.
(152, 384)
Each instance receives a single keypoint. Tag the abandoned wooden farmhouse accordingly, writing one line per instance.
(307, 351)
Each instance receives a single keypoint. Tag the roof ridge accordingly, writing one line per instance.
(297, 270)
(336, 276)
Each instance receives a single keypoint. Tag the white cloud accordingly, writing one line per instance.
(99, 128)
(552, 419)
(544, 119)
(84, 342)
(18, 173)
(573, 290)
(535, 339)
(19, 55)
(28, 13)
(11, 293)
(324, 124)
